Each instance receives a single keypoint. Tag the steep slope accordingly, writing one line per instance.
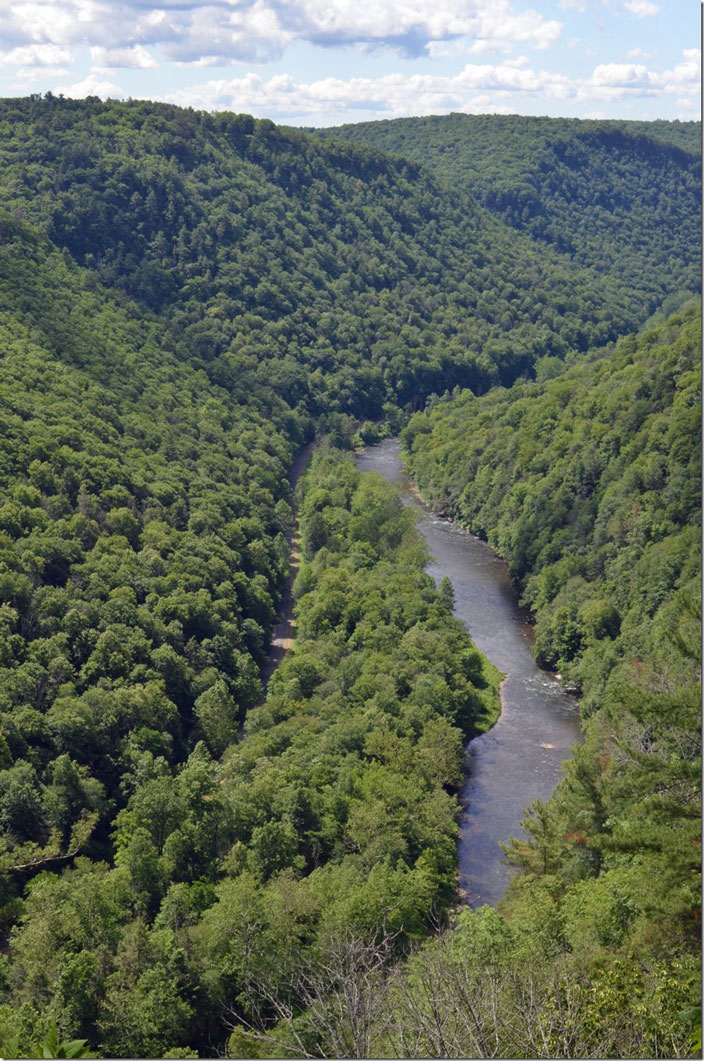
(589, 485)
(333, 820)
(624, 197)
(141, 552)
(337, 276)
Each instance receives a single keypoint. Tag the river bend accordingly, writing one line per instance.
(519, 759)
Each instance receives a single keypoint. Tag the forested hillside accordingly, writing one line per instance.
(341, 278)
(589, 484)
(622, 197)
(187, 867)
(142, 525)
(229, 888)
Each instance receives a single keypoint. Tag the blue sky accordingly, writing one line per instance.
(322, 62)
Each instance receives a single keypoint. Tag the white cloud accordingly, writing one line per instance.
(614, 81)
(484, 104)
(687, 73)
(33, 63)
(487, 87)
(476, 88)
(92, 85)
(42, 38)
(527, 27)
(135, 58)
(641, 8)
(28, 78)
(484, 46)
(43, 23)
(217, 33)
(259, 30)
(628, 75)
(71, 22)
(40, 55)
(400, 21)
(446, 49)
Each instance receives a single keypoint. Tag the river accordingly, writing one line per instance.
(519, 759)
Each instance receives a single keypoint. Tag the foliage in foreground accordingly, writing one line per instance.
(595, 952)
(333, 820)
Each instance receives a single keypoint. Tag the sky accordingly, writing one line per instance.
(325, 62)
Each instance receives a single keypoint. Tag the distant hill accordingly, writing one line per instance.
(340, 277)
(622, 196)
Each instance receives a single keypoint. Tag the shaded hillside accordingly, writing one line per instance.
(624, 197)
(336, 275)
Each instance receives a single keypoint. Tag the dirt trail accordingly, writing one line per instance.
(285, 629)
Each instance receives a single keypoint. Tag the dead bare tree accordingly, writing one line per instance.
(446, 1006)
(331, 1005)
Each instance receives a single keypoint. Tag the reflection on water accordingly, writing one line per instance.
(519, 759)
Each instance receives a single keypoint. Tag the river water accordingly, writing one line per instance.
(519, 759)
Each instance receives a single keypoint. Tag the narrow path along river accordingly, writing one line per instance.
(519, 758)
(283, 633)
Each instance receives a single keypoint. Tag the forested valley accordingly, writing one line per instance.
(189, 867)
